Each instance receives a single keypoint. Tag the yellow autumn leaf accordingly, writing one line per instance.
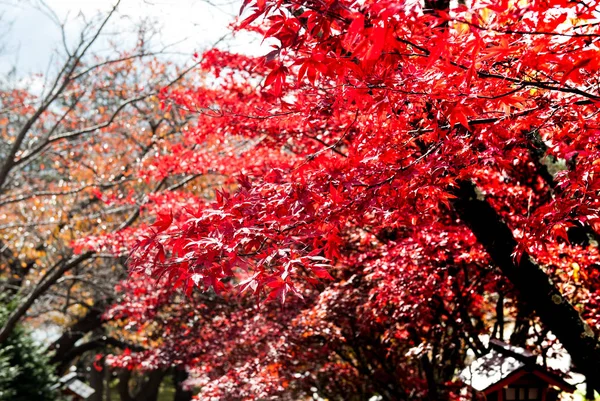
(576, 268)
(485, 14)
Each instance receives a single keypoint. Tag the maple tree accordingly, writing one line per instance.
(393, 172)
(411, 163)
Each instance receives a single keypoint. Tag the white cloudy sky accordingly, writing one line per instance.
(29, 36)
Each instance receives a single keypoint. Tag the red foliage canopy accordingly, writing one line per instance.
(425, 154)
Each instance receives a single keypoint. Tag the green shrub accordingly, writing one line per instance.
(25, 373)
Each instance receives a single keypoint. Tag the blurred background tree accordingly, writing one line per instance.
(75, 145)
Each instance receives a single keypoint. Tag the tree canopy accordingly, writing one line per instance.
(393, 173)
(345, 216)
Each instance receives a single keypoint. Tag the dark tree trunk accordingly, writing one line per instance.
(589, 390)
(16, 270)
(66, 342)
(149, 390)
(97, 382)
(49, 279)
(108, 377)
(436, 5)
(432, 394)
(520, 333)
(179, 376)
(534, 287)
(123, 385)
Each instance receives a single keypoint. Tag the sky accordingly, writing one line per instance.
(30, 37)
